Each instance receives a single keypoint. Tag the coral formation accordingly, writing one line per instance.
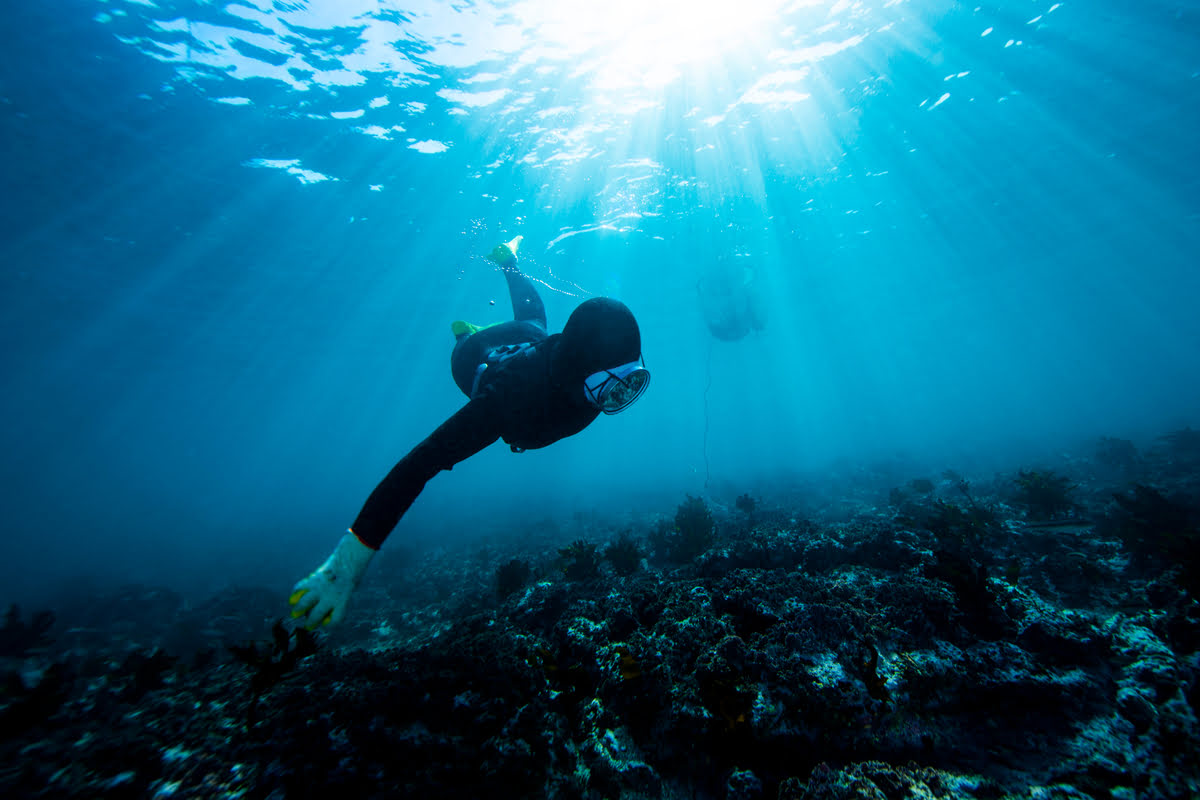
(942, 646)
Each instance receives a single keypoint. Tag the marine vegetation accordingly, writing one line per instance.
(1183, 445)
(512, 576)
(145, 673)
(964, 527)
(868, 668)
(961, 527)
(917, 488)
(964, 534)
(274, 660)
(980, 610)
(1119, 454)
(28, 704)
(726, 688)
(581, 561)
(1044, 493)
(1158, 532)
(624, 554)
(18, 638)
(921, 486)
(691, 534)
(566, 675)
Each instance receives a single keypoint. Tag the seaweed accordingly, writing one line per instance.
(917, 487)
(921, 485)
(961, 532)
(1158, 531)
(203, 659)
(961, 527)
(730, 700)
(1044, 493)
(1183, 444)
(512, 576)
(1119, 454)
(274, 660)
(18, 638)
(624, 554)
(982, 614)
(27, 706)
(691, 534)
(145, 673)
(581, 561)
(726, 688)
(566, 675)
(868, 664)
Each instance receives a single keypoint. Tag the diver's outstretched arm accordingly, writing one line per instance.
(321, 598)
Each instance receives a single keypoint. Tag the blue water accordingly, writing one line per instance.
(234, 236)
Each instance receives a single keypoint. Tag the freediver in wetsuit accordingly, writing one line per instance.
(524, 386)
(730, 301)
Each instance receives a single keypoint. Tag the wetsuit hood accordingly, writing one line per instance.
(601, 333)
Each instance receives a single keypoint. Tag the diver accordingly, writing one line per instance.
(524, 386)
(730, 301)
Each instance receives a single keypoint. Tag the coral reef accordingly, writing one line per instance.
(940, 645)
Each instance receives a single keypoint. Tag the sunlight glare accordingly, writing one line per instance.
(649, 43)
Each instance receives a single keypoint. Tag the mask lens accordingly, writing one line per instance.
(611, 390)
(622, 392)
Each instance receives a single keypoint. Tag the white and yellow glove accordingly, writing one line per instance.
(324, 595)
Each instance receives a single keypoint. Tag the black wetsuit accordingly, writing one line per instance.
(521, 399)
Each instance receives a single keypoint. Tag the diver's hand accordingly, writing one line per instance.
(324, 595)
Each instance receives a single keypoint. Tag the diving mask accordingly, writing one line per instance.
(613, 390)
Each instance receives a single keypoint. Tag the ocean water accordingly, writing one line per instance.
(234, 236)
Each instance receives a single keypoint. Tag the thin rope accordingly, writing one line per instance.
(707, 385)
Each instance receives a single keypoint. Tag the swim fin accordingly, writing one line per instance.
(505, 255)
(460, 328)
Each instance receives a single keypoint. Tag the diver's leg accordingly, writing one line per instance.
(526, 304)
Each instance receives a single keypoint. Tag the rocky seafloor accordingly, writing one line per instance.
(1028, 634)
